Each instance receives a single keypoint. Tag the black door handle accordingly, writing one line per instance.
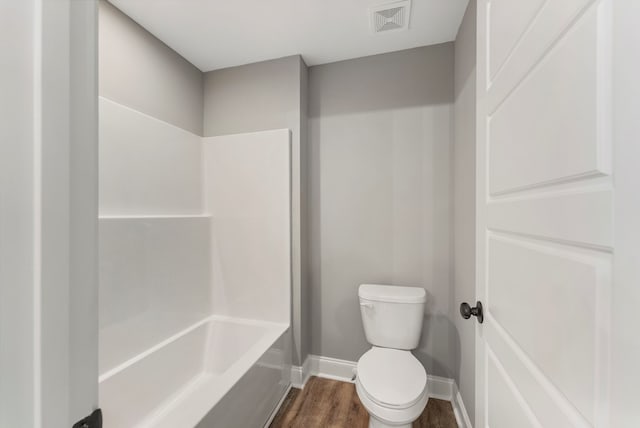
(466, 311)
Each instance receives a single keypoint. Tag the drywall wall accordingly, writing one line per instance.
(139, 71)
(305, 294)
(262, 96)
(253, 97)
(380, 139)
(463, 164)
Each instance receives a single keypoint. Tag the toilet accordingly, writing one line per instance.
(390, 382)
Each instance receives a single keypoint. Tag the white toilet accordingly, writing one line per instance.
(391, 383)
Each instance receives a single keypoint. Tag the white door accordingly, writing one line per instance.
(554, 170)
(48, 213)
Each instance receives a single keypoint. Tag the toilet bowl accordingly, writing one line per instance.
(392, 386)
(391, 383)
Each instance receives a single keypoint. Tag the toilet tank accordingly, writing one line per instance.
(392, 315)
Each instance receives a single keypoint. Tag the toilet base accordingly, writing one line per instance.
(385, 417)
(376, 423)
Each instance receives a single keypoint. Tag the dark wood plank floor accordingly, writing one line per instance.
(325, 403)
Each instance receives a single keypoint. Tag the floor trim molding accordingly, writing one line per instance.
(300, 374)
(441, 388)
(332, 368)
(297, 377)
(460, 411)
(325, 367)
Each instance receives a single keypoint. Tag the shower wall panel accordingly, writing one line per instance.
(248, 194)
(154, 237)
(147, 166)
(154, 282)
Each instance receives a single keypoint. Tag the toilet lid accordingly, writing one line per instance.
(392, 377)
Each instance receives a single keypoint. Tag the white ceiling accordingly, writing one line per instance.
(215, 34)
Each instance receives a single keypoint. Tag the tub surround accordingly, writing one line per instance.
(247, 191)
(154, 282)
(136, 151)
(195, 270)
(270, 95)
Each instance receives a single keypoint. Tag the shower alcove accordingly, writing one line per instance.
(195, 273)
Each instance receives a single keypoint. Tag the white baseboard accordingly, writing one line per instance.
(332, 368)
(329, 368)
(297, 376)
(459, 411)
(300, 374)
(441, 388)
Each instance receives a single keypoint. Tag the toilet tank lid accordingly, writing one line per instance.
(392, 293)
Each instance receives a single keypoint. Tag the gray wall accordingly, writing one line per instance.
(380, 135)
(305, 280)
(253, 97)
(463, 161)
(269, 95)
(139, 71)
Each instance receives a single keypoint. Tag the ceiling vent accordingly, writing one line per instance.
(390, 17)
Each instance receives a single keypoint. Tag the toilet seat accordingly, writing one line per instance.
(392, 378)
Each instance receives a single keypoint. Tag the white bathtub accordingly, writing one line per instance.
(219, 372)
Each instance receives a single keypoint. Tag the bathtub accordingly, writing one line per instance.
(218, 372)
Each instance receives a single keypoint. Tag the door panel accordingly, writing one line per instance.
(553, 20)
(557, 216)
(48, 213)
(551, 408)
(544, 296)
(506, 407)
(536, 139)
(509, 21)
(545, 210)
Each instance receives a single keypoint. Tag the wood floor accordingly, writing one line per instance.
(325, 403)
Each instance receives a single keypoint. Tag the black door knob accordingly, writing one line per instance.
(466, 311)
